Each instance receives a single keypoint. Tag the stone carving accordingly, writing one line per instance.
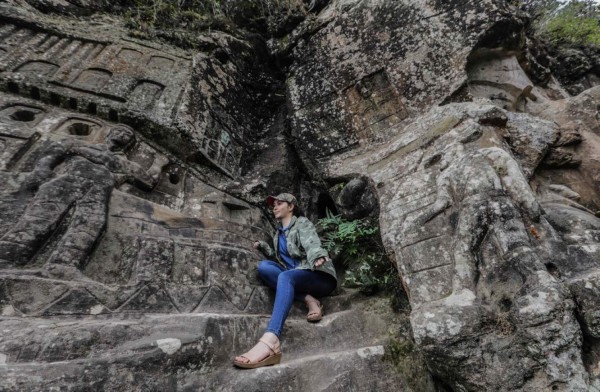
(51, 59)
(375, 104)
(130, 55)
(21, 115)
(94, 79)
(160, 63)
(503, 294)
(96, 208)
(579, 265)
(499, 77)
(80, 128)
(76, 178)
(484, 219)
(483, 186)
(39, 69)
(118, 80)
(146, 94)
(17, 123)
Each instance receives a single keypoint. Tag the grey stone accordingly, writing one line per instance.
(357, 199)
(134, 174)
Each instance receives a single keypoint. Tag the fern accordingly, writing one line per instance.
(358, 246)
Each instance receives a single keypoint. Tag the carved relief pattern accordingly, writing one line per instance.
(104, 78)
(358, 114)
(97, 214)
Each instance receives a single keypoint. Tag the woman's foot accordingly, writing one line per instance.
(266, 352)
(315, 309)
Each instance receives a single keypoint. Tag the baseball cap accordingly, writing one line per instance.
(288, 197)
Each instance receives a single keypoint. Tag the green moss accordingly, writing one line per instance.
(409, 362)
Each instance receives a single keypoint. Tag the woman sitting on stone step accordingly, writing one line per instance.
(302, 271)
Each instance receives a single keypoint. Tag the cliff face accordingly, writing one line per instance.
(135, 173)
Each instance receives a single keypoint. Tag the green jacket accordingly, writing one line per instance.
(303, 245)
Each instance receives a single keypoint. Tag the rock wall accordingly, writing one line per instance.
(476, 168)
(135, 174)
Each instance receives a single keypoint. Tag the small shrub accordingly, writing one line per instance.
(357, 246)
(575, 23)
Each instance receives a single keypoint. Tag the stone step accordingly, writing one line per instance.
(343, 300)
(361, 369)
(31, 293)
(339, 331)
(123, 352)
(218, 336)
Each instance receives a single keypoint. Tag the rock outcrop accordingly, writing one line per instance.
(437, 105)
(135, 171)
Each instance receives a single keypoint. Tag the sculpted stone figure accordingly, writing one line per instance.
(72, 178)
(497, 273)
(483, 185)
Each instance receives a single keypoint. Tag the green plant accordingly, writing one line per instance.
(347, 238)
(576, 23)
(356, 244)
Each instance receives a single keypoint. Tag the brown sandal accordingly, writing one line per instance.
(313, 317)
(273, 359)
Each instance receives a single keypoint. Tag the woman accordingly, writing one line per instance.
(302, 272)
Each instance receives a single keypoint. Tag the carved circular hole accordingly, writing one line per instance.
(174, 178)
(54, 99)
(13, 87)
(23, 115)
(553, 270)
(505, 304)
(80, 129)
(35, 93)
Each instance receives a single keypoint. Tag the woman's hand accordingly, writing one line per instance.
(320, 261)
(256, 244)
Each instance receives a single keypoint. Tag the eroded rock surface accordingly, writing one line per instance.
(134, 176)
(463, 186)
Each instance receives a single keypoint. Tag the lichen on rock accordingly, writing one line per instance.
(136, 160)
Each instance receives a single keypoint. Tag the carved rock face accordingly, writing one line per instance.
(357, 199)
(133, 173)
(469, 235)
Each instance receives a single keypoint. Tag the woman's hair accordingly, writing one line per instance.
(297, 211)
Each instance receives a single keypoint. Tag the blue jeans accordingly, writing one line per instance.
(290, 285)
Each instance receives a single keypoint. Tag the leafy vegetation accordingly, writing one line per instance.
(174, 19)
(357, 246)
(574, 22)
